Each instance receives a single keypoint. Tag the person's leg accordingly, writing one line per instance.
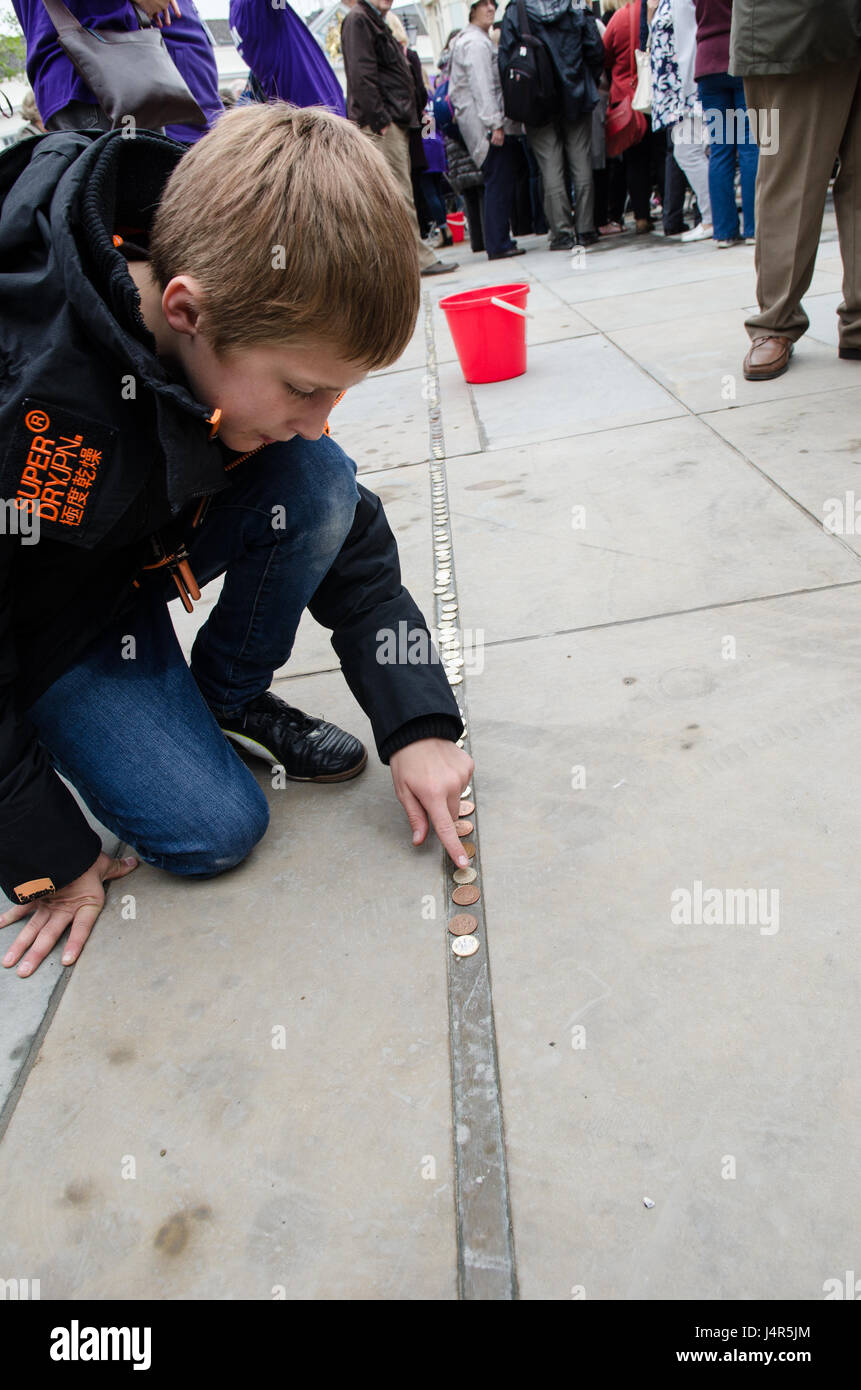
(637, 161)
(748, 156)
(578, 149)
(536, 191)
(675, 185)
(395, 147)
(717, 94)
(812, 110)
(847, 206)
(617, 190)
(689, 153)
(546, 145)
(430, 186)
(498, 171)
(128, 727)
(474, 200)
(276, 532)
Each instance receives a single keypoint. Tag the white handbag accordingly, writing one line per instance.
(643, 95)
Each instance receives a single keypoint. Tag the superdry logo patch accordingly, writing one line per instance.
(55, 464)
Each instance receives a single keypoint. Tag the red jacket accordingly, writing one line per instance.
(621, 37)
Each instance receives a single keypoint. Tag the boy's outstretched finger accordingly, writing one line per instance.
(446, 833)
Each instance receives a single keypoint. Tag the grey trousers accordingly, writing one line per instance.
(552, 144)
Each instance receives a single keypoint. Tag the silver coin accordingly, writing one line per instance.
(468, 875)
(465, 945)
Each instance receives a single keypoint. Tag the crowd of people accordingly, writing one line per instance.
(589, 157)
(646, 127)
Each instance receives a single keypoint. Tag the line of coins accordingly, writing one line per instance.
(462, 925)
(466, 893)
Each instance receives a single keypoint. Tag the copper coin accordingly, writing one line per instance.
(464, 827)
(465, 945)
(466, 808)
(465, 875)
(463, 924)
(466, 896)
(468, 848)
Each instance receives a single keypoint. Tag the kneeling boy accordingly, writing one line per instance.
(176, 329)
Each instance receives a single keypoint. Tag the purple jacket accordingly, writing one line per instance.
(55, 81)
(284, 56)
(714, 18)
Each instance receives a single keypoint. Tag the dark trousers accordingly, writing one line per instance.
(638, 175)
(610, 192)
(500, 171)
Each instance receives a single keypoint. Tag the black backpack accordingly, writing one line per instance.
(530, 91)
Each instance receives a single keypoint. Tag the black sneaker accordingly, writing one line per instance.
(309, 750)
(563, 242)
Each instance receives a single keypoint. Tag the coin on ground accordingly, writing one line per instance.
(464, 827)
(468, 848)
(465, 945)
(466, 896)
(463, 924)
(466, 808)
(465, 875)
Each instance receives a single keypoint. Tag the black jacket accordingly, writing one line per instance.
(573, 40)
(380, 87)
(110, 466)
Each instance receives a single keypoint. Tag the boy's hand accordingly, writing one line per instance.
(429, 776)
(155, 9)
(79, 903)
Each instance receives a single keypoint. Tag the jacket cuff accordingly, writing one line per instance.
(54, 843)
(426, 726)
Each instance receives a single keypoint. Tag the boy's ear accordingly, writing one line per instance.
(181, 304)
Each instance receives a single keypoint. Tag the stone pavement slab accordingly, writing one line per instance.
(569, 388)
(813, 451)
(714, 1072)
(667, 517)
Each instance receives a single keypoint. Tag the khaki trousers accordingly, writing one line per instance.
(811, 117)
(395, 147)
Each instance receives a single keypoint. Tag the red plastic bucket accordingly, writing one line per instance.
(490, 340)
(456, 222)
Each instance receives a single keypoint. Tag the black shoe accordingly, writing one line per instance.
(439, 268)
(309, 750)
(849, 354)
(563, 242)
(504, 255)
(587, 239)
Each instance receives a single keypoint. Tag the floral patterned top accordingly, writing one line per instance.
(670, 103)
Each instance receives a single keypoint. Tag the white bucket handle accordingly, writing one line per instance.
(512, 308)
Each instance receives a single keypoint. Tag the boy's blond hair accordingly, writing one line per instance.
(294, 226)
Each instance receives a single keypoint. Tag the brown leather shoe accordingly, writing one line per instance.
(768, 357)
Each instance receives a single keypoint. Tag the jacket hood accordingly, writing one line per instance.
(546, 11)
(72, 332)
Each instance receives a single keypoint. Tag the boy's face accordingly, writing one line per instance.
(264, 393)
(269, 393)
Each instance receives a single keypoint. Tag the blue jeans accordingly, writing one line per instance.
(499, 170)
(729, 136)
(128, 724)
